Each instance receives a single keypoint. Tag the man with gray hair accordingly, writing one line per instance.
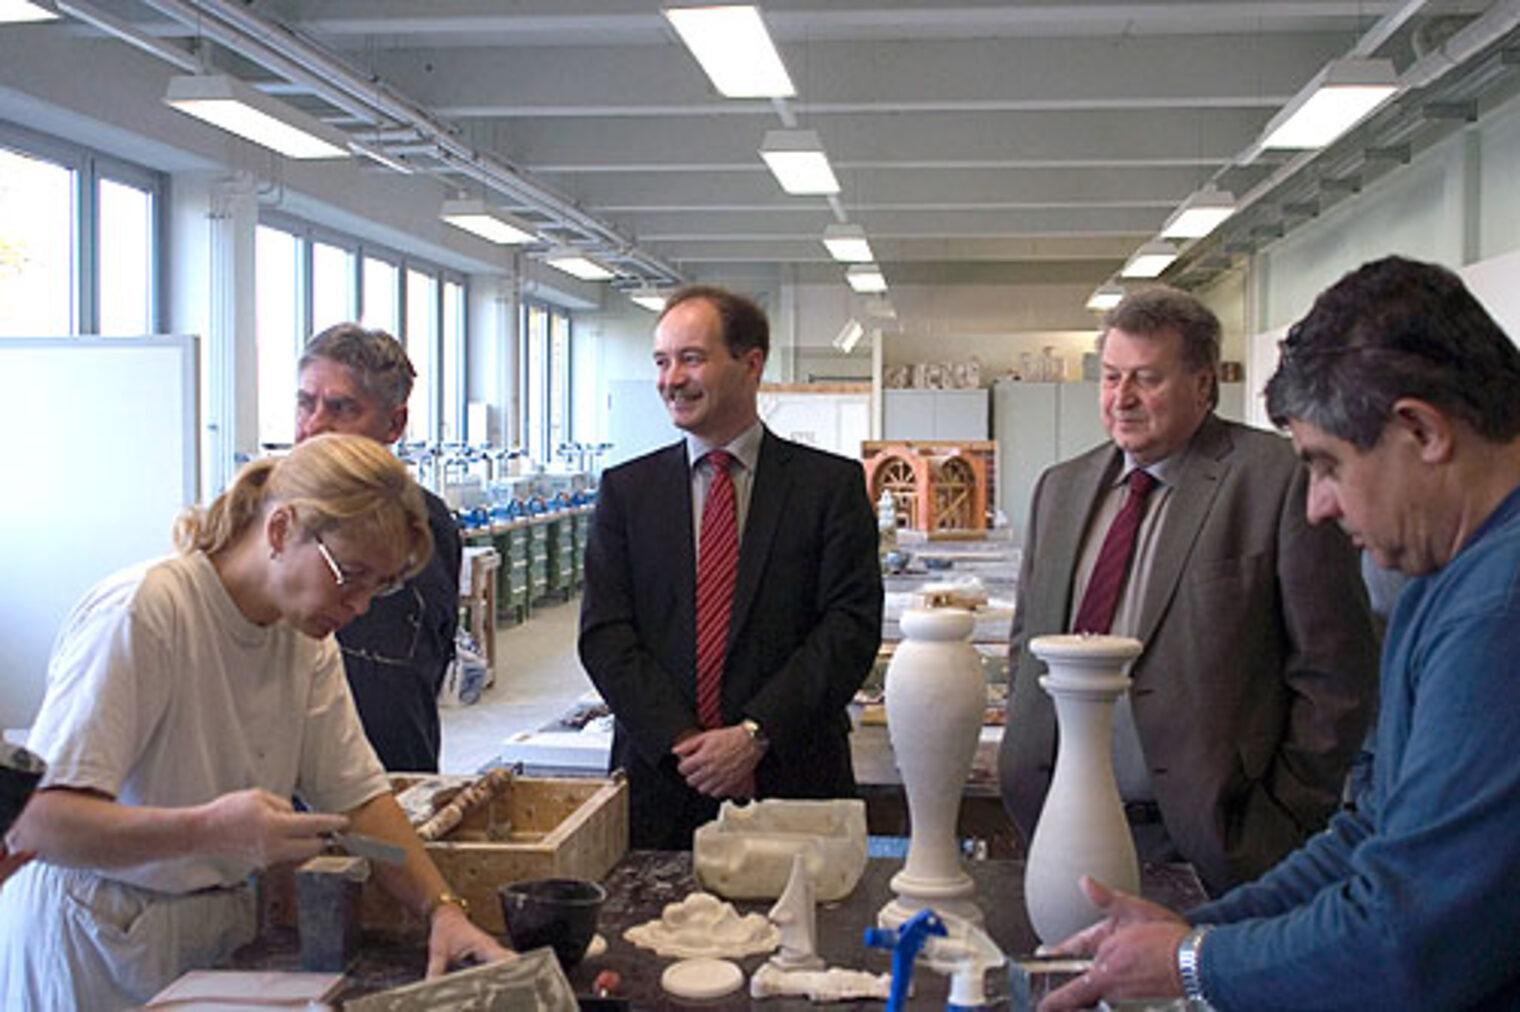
(1187, 532)
(1403, 397)
(356, 381)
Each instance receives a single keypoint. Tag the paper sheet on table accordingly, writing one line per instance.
(252, 989)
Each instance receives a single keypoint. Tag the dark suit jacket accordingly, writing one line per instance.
(396, 653)
(1259, 673)
(803, 634)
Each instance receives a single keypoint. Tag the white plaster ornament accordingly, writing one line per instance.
(746, 853)
(703, 925)
(936, 697)
(1082, 829)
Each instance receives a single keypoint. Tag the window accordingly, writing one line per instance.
(125, 255)
(332, 286)
(421, 342)
(38, 244)
(78, 240)
(382, 296)
(278, 331)
(535, 379)
(309, 278)
(559, 381)
(453, 365)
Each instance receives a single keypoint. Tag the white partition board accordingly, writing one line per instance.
(102, 457)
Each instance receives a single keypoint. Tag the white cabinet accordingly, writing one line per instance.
(934, 414)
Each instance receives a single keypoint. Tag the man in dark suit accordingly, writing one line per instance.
(1259, 672)
(356, 381)
(804, 621)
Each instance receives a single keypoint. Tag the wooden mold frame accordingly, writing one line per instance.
(555, 827)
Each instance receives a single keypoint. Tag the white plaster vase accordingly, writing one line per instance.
(1082, 829)
(936, 698)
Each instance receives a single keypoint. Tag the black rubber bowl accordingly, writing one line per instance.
(558, 912)
(19, 772)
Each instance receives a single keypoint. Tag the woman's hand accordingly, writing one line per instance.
(454, 940)
(263, 829)
(10, 860)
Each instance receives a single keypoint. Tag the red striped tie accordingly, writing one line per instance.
(717, 564)
(1096, 615)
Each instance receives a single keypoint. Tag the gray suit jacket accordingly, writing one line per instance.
(1259, 674)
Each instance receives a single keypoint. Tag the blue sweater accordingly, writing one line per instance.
(1413, 900)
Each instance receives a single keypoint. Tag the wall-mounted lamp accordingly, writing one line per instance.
(488, 222)
(797, 161)
(18, 11)
(1203, 211)
(866, 279)
(849, 335)
(733, 47)
(848, 244)
(233, 106)
(1105, 297)
(1149, 260)
(1334, 101)
(577, 264)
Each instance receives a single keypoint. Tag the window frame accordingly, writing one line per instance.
(89, 166)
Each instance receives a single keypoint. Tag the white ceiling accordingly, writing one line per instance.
(1041, 141)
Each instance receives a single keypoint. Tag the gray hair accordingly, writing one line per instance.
(376, 359)
(1390, 329)
(1153, 312)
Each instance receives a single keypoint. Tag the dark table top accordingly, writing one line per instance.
(641, 885)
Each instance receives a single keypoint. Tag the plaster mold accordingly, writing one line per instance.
(831, 985)
(703, 925)
(796, 919)
(747, 852)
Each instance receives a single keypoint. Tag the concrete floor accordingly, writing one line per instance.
(538, 677)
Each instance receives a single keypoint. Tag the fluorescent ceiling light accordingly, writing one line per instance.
(849, 335)
(650, 298)
(577, 264)
(17, 11)
(1334, 101)
(1105, 297)
(1150, 260)
(1204, 211)
(733, 47)
(235, 107)
(866, 279)
(797, 161)
(848, 244)
(487, 222)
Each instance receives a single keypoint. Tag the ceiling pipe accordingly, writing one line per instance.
(288, 55)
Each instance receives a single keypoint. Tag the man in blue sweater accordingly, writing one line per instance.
(1403, 398)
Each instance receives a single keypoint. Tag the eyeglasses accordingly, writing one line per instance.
(381, 587)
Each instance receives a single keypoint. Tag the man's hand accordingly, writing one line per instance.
(1134, 950)
(262, 828)
(719, 763)
(453, 939)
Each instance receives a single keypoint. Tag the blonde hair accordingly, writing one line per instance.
(329, 481)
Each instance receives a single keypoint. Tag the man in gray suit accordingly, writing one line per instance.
(1258, 677)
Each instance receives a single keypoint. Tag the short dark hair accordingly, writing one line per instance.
(743, 321)
(1161, 309)
(377, 360)
(1396, 328)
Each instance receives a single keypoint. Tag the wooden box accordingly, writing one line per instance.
(558, 828)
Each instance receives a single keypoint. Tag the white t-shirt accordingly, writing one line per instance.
(161, 692)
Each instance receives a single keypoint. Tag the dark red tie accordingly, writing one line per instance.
(1096, 615)
(717, 564)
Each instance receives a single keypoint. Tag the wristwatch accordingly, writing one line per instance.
(756, 733)
(1188, 953)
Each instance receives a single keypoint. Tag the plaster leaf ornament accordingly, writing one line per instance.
(703, 925)
(834, 984)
